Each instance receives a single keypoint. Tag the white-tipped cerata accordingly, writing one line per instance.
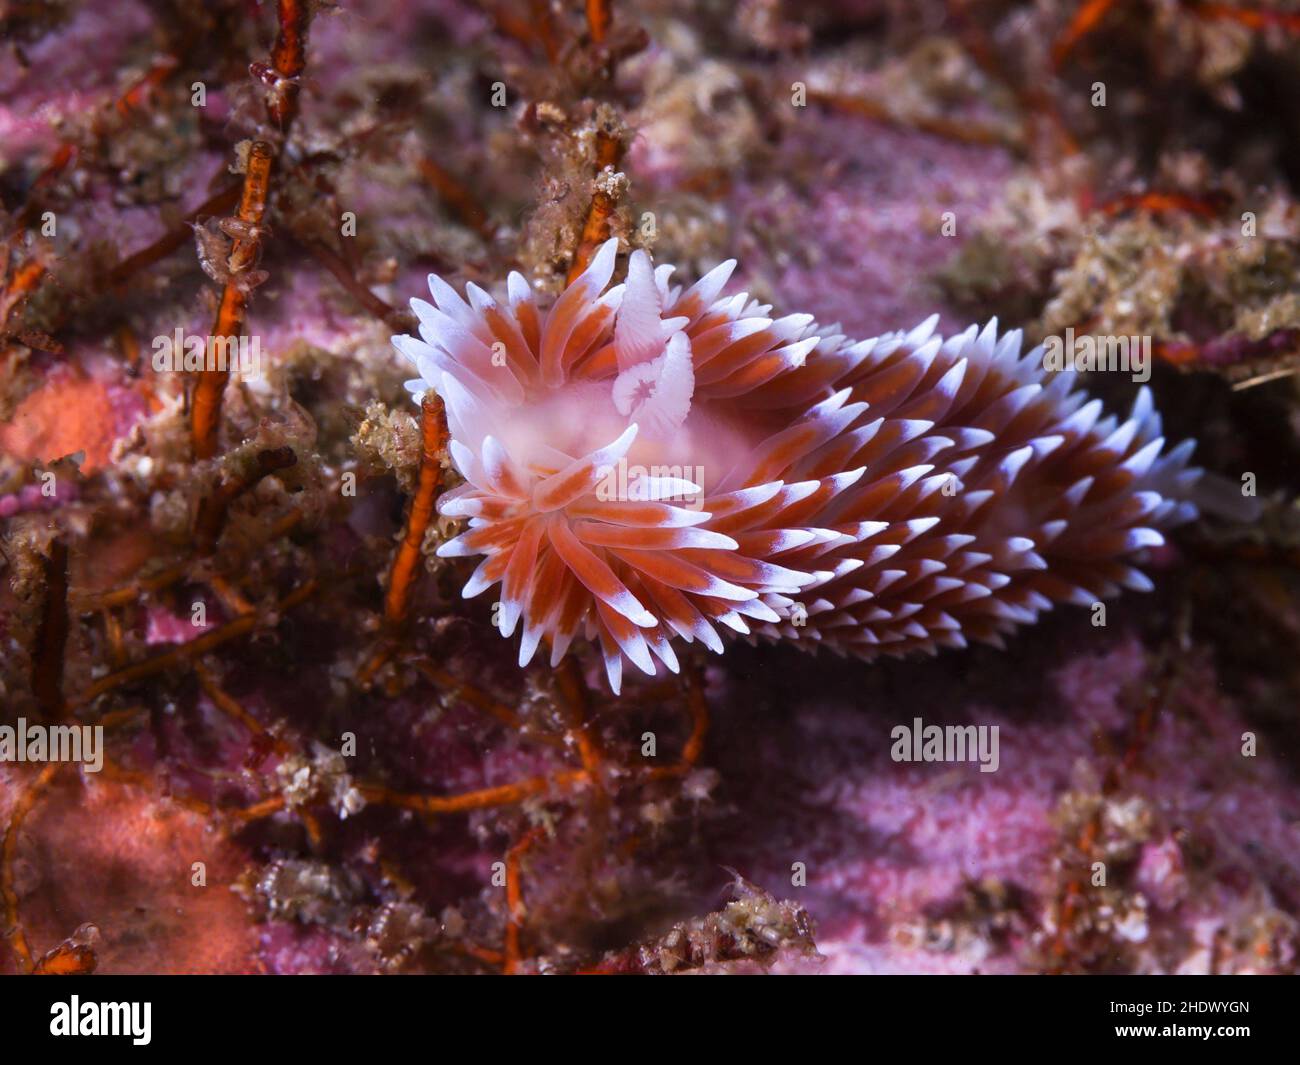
(647, 464)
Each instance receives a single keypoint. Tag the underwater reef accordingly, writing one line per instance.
(317, 320)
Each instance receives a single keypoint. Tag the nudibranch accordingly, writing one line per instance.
(647, 462)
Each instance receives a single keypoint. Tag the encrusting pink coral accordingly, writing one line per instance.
(644, 462)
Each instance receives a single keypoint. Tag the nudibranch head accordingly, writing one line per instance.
(646, 462)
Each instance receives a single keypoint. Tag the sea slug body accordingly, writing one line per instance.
(646, 462)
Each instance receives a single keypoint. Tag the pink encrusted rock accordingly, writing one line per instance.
(69, 414)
